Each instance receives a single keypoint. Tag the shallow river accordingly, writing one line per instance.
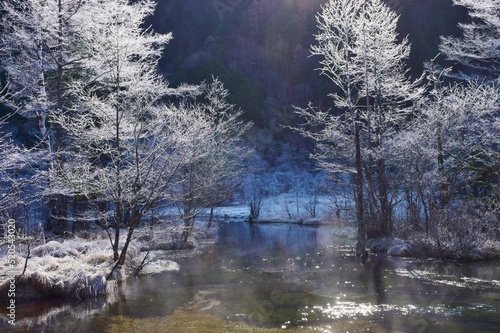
(286, 278)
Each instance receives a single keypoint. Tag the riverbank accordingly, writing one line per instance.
(76, 267)
(429, 248)
(417, 246)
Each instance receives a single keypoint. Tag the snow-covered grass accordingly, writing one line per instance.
(288, 206)
(426, 247)
(156, 263)
(77, 268)
(283, 208)
(422, 246)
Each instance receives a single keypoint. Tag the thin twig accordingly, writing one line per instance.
(26, 261)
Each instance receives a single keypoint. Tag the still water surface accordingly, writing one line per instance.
(273, 278)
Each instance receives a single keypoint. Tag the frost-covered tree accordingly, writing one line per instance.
(389, 94)
(464, 119)
(114, 123)
(256, 184)
(130, 154)
(449, 152)
(364, 59)
(10, 183)
(40, 52)
(16, 174)
(336, 44)
(479, 48)
(210, 179)
(36, 48)
(292, 175)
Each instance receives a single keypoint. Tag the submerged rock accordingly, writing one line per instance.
(380, 245)
(399, 251)
(390, 246)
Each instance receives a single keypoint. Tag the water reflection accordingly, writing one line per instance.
(289, 276)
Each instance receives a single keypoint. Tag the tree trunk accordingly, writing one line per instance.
(385, 210)
(120, 261)
(118, 223)
(360, 214)
(119, 194)
(210, 218)
(443, 195)
(133, 223)
(188, 226)
(60, 202)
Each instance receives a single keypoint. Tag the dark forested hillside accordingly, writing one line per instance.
(260, 50)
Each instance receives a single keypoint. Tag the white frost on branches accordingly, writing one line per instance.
(479, 48)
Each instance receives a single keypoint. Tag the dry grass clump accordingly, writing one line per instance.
(38, 284)
(83, 285)
(52, 276)
(77, 268)
(74, 268)
(490, 249)
(205, 233)
(161, 238)
(459, 249)
(153, 262)
(134, 249)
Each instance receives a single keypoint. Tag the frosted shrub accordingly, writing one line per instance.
(86, 286)
(467, 232)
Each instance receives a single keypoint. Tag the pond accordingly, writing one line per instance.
(278, 277)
